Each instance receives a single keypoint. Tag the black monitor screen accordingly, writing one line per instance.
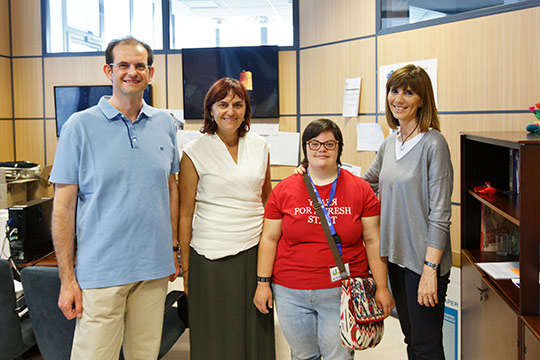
(256, 67)
(70, 99)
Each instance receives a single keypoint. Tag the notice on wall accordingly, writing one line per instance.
(351, 97)
(178, 118)
(385, 71)
(264, 128)
(184, 137)
(353, 169)
(284, 148)
(369, 136)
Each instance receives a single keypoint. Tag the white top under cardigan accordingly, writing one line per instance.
(229, 211)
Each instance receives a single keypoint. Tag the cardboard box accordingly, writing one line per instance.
(452, 317)
(21, 191)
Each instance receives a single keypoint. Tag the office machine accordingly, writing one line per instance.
(29, 230)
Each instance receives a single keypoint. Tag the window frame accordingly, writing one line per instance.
(165, 6)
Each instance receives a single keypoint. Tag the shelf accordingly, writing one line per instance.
(506, 205)
(510, 139)
(506, 288)
(533, 323)
(489, 321)
(477, 255)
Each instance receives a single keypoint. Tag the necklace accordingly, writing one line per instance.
(402, 146)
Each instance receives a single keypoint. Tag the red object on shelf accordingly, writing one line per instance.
(486, 189)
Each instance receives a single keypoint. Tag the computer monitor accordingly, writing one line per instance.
(70, 99)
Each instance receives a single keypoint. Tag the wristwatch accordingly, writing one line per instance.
(431, 265)
(175, 248)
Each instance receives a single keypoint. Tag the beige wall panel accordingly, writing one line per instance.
(4, 28)
(26, 27)
(488, 63)
(455, 236)
(323, 71)
(174, 77)
(280, 172)
(6, 106)
(29, 141)
(323, 21)
(6, 140)
(51, 140)
(71, 71)
(453, 125)
(193, 124)
(159, 83)
(348, 129)
(288, 124)
(287, 82)
(27, 88)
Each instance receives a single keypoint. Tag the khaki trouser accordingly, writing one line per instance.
(130, 314)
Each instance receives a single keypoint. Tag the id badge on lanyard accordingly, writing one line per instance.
(335, 275)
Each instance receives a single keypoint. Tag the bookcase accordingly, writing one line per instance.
(499, 319)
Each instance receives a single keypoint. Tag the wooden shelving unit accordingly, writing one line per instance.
(499, 319)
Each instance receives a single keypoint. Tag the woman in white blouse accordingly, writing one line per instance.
(224, 183)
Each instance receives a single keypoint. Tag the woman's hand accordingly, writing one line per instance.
(263, 298)
(427, 288)
(384, 300)
(300, 170)
(185, 279)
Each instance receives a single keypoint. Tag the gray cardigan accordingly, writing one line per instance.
(415, 193)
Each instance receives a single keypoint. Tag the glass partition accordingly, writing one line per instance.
(403, 12)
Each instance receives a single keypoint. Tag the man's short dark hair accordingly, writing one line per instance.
(128, 40)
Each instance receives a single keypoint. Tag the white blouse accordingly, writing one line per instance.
(229, 211)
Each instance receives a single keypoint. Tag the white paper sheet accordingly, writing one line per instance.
(500, 270)
(264, 128)
(183, 137)
(351, 97)
(284, 148)
(369, 136)
(355, 170)
(178, 116)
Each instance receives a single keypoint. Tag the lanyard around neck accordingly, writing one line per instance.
(330, 198)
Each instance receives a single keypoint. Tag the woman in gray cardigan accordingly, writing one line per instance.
(413, 174)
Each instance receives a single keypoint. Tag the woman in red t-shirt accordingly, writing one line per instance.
(294, 255)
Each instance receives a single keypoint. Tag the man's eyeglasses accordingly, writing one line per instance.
(316, 145)
(124, 66)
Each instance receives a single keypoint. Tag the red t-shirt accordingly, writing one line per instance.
(303, 258)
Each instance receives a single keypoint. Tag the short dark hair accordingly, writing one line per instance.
(316, 127)
(128, 40)
(417, 79)
(219, 91)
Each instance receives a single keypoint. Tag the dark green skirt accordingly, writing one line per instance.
(224, 323)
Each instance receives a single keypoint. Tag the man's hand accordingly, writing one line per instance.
(70, 300)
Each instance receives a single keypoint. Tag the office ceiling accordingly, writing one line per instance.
(225, 8)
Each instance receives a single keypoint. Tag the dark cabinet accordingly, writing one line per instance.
(499, 319)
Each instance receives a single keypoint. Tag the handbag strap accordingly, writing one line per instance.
(331, 242)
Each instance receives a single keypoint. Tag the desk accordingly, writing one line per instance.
(49, 260)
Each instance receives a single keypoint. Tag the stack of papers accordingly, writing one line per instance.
(501, 270)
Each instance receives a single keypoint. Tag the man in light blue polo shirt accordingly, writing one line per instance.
(114, 172)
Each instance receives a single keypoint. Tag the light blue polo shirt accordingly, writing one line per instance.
(122, 170)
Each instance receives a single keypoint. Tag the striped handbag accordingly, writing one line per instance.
(361, 323)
